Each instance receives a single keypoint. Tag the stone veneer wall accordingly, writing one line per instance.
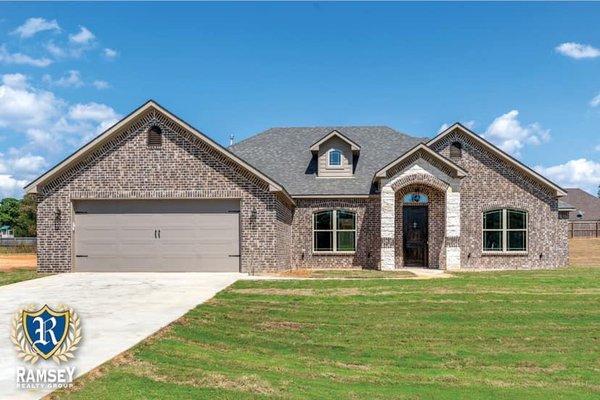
(183, 167)
(367, 230)
(492, 183)
(436, 223)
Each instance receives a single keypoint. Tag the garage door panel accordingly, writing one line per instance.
(195, 235)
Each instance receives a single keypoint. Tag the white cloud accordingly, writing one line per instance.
(28, 163)
(48, 122)
(92, 112)
(71, 79)
(23, 107)
(507, 133)
(7, 57)
(55, 50)
(101, 85)
(83, 36)
(577, 50)
(110, 53)
(581, 173)
(16, 81)
(36, 25)
(595, 102)
(11, 187)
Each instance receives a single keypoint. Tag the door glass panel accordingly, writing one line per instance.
(415, 198)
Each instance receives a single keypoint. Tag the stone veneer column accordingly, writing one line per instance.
(452, 229)
(388, 221)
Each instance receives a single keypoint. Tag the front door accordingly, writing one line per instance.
(414, 234)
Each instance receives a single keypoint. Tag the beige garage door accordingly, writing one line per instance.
(157, 235)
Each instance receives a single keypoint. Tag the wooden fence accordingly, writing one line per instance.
(19, 241)
(584, 229)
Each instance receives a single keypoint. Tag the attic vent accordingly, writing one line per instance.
(456, 150)
(154, 136)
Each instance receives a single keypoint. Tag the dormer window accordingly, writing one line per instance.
(335, 158)
(335, 155)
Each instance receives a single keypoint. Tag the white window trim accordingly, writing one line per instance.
(505, 230)
(329, 165)
(334, 231)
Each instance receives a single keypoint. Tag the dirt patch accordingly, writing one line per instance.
(285, 325)
(18, 260)
(301, 292)
(584, 252)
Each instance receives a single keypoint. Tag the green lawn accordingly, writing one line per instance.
(17, 275)
(504, 335)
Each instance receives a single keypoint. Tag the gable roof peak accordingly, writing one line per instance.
(353, 146)
(498, 152)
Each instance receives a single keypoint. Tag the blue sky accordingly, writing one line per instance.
(526, 76)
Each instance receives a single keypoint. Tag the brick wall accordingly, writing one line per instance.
(183, 167)
(367, 230)
(493, 183)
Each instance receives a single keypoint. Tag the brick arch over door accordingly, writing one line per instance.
(419, 178)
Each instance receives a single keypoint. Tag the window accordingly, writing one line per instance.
(456, 150)
(335, 158)
(415, 198)
(505, 230)
(334, 231)
(154, 136)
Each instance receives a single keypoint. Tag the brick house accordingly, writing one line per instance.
(153, 193)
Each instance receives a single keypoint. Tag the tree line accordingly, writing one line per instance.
(20, 215)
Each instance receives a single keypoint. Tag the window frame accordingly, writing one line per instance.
(334, 231)
(336, 166)
(504, 229)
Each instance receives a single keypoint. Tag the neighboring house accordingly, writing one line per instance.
(585, 206)
(153, 193)
(6, 232)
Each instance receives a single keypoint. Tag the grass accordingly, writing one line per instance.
(19, 249)
(347, 274)
(16, 275)
(497, 335)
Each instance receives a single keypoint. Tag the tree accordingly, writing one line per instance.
(9, 211)
(26, 224)
(598, 191)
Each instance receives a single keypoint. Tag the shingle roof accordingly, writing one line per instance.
(581, 200)
(284, 154)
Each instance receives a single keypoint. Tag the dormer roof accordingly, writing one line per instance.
(353, 146)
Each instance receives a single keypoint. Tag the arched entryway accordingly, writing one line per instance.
(432, 209)
(419, 226)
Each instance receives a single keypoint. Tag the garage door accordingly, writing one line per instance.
(157, 235)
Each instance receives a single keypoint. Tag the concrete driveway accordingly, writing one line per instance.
(117, 310)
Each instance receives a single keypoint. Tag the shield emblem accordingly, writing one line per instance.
(46, 329)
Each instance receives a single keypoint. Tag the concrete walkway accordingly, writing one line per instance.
(117, 310)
